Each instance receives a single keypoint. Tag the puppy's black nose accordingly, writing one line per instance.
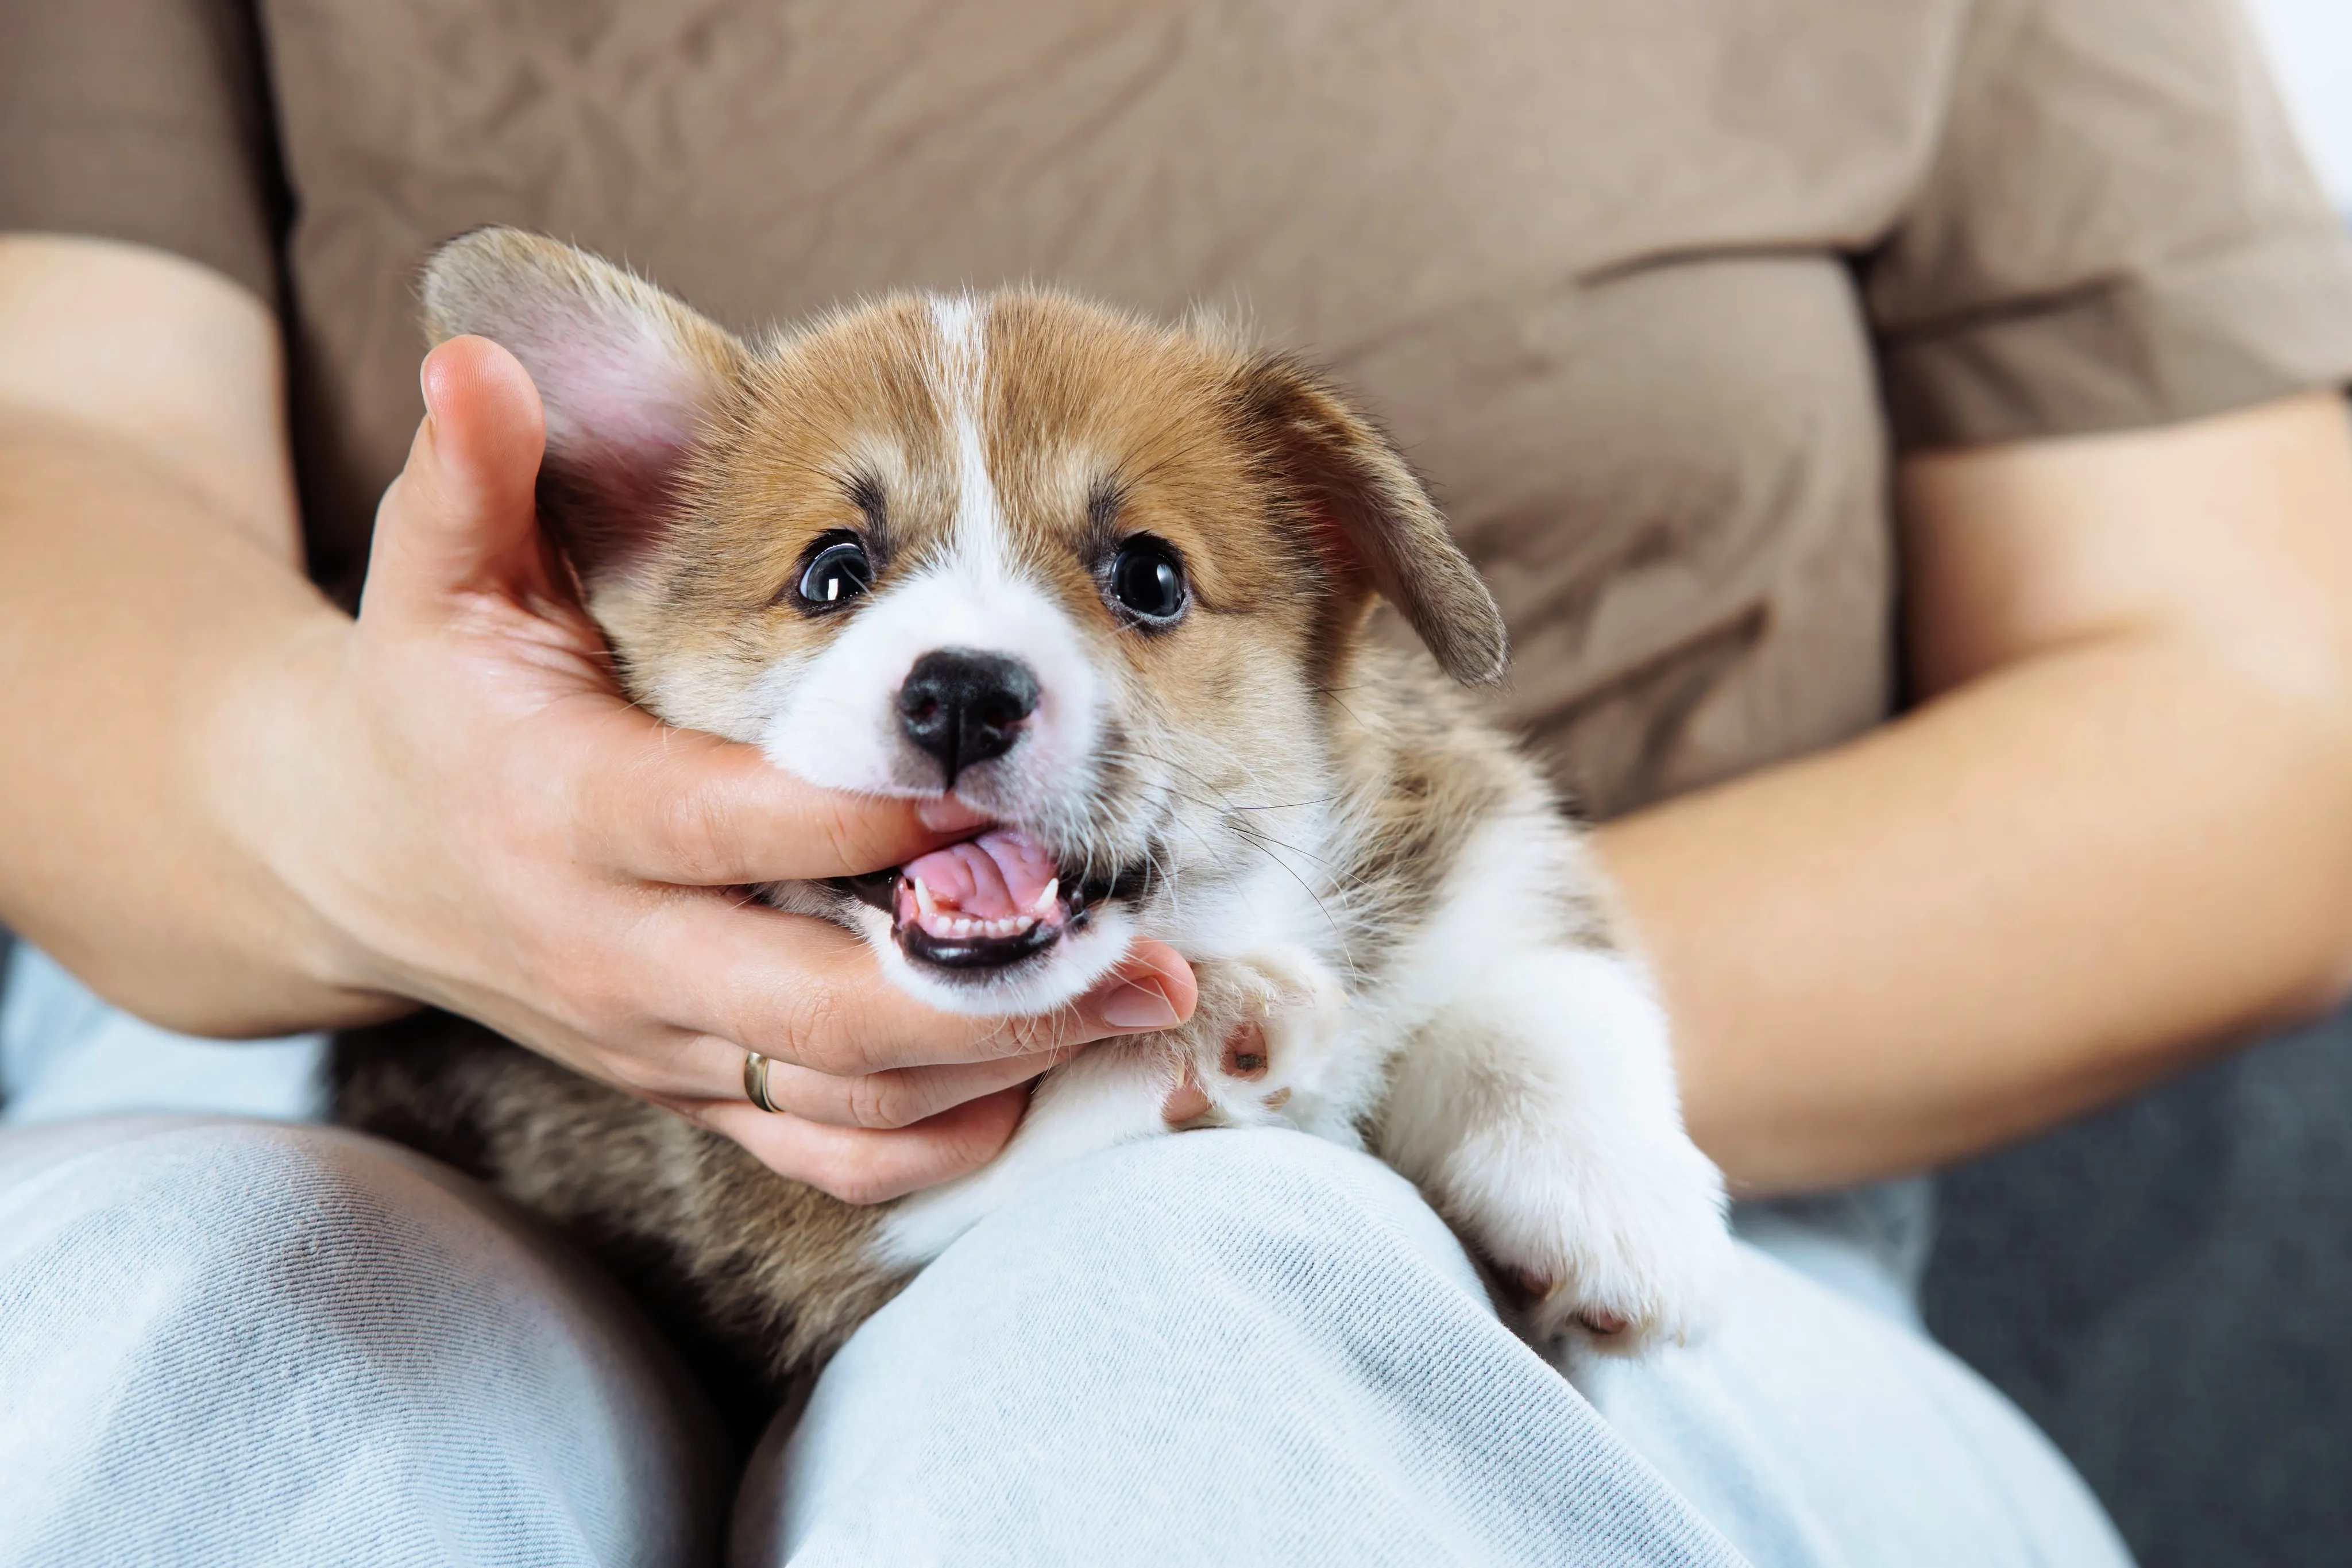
(964, 706)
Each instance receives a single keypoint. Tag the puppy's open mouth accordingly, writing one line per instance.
(991, 901)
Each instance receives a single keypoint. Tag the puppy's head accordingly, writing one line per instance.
(1092, 574)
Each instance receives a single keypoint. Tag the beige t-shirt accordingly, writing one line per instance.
(1650, 289)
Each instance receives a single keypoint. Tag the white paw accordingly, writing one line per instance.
(1623, 1245)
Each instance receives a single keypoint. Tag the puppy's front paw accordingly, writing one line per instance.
(1623, 1245)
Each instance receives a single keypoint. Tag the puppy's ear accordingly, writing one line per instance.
(1373, 520)
(629, 376)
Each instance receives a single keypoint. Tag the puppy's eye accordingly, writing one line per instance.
(1147, 580)
(835, 574)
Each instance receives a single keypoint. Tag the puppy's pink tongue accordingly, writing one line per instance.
(997, 875)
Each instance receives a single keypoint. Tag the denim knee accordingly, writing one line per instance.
(1258, 1201)
(1219, 1346)
(257, 1230)
(236, 1323)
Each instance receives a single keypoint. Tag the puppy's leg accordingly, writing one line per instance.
(1536, 1107)
(1257, 1051)
(1276, 1043)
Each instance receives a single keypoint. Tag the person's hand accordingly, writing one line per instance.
(482, 821)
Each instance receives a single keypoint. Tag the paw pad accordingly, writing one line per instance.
(1246, 1053)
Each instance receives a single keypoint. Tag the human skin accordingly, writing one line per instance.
(2116, 832)
(2114, 836)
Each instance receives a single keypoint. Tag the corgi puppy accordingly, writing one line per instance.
(1107, 581)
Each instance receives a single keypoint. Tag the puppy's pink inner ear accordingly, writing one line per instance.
(628, 394)
(624, 408)
(626, 373)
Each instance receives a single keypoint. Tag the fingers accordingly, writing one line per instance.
(867, 1121)
(1153, 988)
(900, 1097)
(861, 1167)
(836, 1135)
(804, 992)
(683, 807)
(461, 515)
(693, 1068)
(672, 1066)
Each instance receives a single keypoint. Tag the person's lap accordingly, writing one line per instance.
(1301, 1365)
(1211, 1348)
(236, 1341)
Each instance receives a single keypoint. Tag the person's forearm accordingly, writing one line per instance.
(132, 605)
(2019, 901)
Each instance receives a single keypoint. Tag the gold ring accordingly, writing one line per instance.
(755, 1082)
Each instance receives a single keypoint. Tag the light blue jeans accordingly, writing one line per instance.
(230, 1340)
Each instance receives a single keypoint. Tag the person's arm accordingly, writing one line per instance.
(2115, 834)
(148, 551)
(235, 810)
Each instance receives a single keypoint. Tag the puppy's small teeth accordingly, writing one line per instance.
(1044, 904)
(953, 925)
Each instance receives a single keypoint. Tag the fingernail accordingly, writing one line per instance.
(1133, 1007)
(950, 814)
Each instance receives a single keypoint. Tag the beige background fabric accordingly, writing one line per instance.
(144, 121)
(1650, 289)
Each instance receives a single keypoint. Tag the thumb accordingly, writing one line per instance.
(461, 516)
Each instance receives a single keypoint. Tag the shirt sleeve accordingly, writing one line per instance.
(144, 121)
(2117, 229)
